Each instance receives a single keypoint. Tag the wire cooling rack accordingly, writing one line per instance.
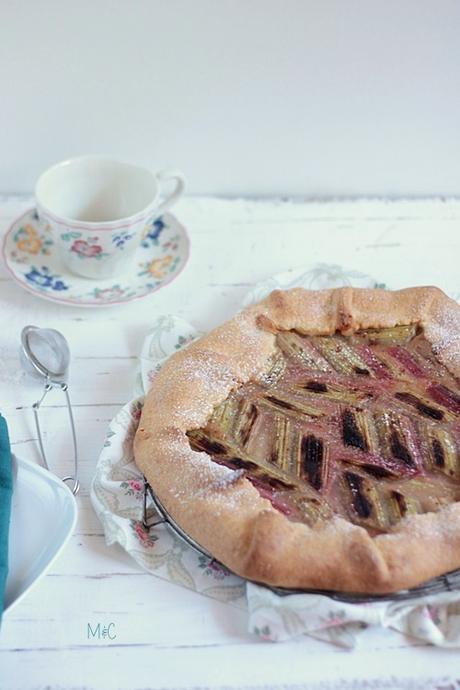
(444, 583)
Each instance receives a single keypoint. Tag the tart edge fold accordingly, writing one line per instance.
(225, 513)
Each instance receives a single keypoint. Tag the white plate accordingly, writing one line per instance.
(43, 516)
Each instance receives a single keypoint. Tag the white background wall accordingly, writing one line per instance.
(253, 97)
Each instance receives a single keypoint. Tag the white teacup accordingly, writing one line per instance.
(98, 208)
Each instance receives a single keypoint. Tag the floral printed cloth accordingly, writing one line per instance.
(117, 494)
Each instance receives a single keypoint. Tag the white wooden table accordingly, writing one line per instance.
(167, 636)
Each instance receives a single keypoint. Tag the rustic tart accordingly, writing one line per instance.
(313, 441)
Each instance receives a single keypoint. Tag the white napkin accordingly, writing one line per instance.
(116, 494)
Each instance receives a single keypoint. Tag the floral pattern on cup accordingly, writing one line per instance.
(121, 237)
(88, 249)
(84, 249)
(70, 235)
(100, 246)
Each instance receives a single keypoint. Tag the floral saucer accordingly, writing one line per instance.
(32, 258)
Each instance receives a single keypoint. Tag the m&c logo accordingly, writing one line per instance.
(100, 631)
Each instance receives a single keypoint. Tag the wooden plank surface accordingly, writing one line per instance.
(167, 636)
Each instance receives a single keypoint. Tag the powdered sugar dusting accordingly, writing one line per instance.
(338, 524)
(205, 369)
(429, 526)
(252, 347)
(444, 330)
(203, 379)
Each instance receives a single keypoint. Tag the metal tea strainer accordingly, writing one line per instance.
(45, 354)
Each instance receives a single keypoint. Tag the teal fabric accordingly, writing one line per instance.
(6, 490)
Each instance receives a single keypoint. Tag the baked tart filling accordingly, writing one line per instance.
(365, 426)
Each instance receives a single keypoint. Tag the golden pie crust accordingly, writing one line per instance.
(224, 512)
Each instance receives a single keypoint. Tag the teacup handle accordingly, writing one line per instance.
(179, 179)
